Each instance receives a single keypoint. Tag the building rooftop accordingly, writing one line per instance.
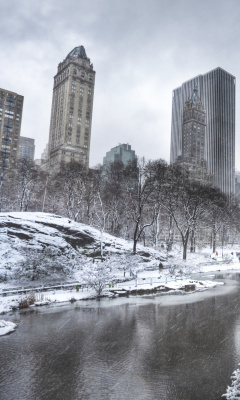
(78, 51)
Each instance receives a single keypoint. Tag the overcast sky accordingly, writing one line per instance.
(140, 49)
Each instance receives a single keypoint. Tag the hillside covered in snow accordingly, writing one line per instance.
(39, 245)
(42, 252)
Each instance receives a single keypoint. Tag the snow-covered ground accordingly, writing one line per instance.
(7, 327)
(146, 281)
(38, 249)
(233, 391)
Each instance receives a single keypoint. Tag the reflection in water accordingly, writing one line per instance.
(134, 349)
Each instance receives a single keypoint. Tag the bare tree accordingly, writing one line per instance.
(187, 202)
(70, 184)
(143, 185)
(25, 182)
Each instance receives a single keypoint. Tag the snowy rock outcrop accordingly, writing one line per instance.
(37, 243)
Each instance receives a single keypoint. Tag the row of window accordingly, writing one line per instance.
(76, 72)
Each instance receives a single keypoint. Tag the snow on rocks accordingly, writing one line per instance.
(39, 250)
(7, 327)
(196, 285)
(233, 391)
(165, 283)
(41, 303)
(43, 233)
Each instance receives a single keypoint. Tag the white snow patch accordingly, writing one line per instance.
(233, 391)
(6, 327)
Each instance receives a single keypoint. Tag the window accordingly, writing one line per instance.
(81, 89)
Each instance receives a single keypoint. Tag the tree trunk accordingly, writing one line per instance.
(184, 250)
(134, 246)
(214, 238)
(214, 241)
(185, 243)
(135, 238)
(156, 231)
(170, 235)
(44, 196)
(192, 248)
(101, 244)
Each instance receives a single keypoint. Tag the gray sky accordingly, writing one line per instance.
(140, 49)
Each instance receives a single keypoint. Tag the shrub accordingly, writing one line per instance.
(3, 277)
(27, 300)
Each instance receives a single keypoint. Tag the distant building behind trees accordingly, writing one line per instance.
(121, 153)
(26, 148)
(11, 106)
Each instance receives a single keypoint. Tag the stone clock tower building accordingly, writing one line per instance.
(193, 155)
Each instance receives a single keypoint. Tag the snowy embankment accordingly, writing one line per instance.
(11, 302)
(39, 250)
(6, 327)
(233, 391)
(44, 233)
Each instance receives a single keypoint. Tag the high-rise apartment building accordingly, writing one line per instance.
(71, 116)
(216, 90)
(11, 106)
(26, 148)
(121, 153)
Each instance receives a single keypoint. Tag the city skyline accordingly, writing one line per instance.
(135, 75)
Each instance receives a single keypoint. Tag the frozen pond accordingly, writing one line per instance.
(167, 348)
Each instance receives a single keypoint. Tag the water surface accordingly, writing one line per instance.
(139, 348)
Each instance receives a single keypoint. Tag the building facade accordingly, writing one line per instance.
(193, 139)
(217, 92)
(11, 107)
(237, 185)
(71, 115)
(121, 153)
(26, 148)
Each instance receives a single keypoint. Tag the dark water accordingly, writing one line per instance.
(172, 347)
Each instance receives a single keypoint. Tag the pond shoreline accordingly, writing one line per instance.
(10, 302)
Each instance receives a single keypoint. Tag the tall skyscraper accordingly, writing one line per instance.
(217, 92)
(11, 106)
(71, 116)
